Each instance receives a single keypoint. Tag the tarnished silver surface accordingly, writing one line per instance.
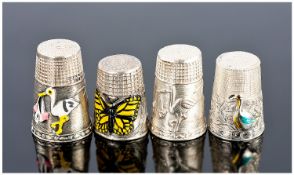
(236, 106)
(179, 156)
(178, 100)
(120, 102)
(63, 157)
(235, 156)
(118, 156)
(60, 112)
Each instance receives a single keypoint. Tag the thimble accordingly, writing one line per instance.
(178, 100)
(235, 156)
(236, 106)
(178, 156)
(60, 111)
(120, 104)
(123, 157)
(63, 157)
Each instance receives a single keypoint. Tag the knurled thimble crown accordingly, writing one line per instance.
(179, 64)
(237, 73)
(59, 63)
(120, 75)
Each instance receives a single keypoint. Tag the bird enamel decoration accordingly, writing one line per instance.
(241, 118)
(60, 109)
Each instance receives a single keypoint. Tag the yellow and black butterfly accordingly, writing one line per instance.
(116, 118)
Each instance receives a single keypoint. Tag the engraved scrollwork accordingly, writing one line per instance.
(224, 121)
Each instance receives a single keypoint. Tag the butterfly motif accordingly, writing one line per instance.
(116, 118)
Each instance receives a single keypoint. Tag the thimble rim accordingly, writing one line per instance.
(177, 53)
(130, 68)
(235, 60)
(57, 49)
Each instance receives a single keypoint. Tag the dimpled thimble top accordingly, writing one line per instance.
(179, 64)
(120, 75)
(237, 73)
(59, 63)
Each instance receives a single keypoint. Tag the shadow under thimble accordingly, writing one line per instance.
(235, 156)
(178, 156)
(118, 156)
(178, 100)
(63, 157)
(60, 111)
(120, 105)
(236, 106)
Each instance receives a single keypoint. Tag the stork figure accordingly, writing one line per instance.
(60, 109)
(180, 108)
(241, 118)
(40, 114)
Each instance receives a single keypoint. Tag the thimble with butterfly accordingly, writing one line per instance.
(60, 111)
(120, 104)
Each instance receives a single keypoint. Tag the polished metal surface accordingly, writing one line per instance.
(235, 156)
(118, 156)
(63, 157)
(120, 102)
(178, 156)
(178, 100)
(60, 112)
(237, 105)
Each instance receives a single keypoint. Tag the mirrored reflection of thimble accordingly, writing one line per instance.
(124, 157)
(236, 105)
(235, 156)
(120, 104)
(178, 156)
(60, 112)
(63, 157)
(178, 100)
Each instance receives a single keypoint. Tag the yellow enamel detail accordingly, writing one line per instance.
(58, 126)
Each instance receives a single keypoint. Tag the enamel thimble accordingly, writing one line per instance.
(235, 156)
(178, 100)
(60, 112)
(236, 106)
(120, 105)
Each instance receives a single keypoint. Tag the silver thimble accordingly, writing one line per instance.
(60, 111)
(120, 103)
(175, 156)
(123, 157)
(63, 157)
(236, 106)
(235, 156)
(178, 100)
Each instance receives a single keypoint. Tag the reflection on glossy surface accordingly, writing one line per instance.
(233, 156)
(121, 156)
(63, 157)
(180, 156)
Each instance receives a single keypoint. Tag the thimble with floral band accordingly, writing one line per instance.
(236, 106)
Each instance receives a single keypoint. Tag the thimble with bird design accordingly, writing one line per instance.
(120, 105)
(60, 112)
(178, 100)
(236, 106)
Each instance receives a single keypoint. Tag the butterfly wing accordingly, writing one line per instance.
(102, 118)
(126, 113)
